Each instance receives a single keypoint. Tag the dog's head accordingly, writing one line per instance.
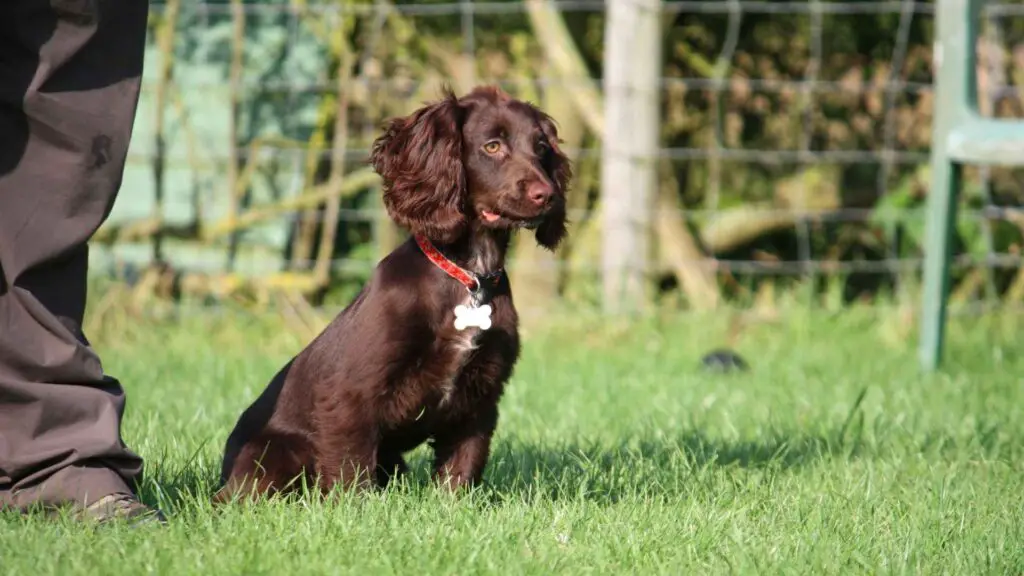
(485, 157)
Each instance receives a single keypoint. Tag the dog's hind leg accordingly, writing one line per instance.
(267, 464)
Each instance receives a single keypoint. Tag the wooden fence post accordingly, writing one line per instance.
(632, 106)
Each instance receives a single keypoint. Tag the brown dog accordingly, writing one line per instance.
(415, 356)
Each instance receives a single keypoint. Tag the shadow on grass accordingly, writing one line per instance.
(636, 467)
(646, 467)
(690, 464)
(662, 465)
(641, 465)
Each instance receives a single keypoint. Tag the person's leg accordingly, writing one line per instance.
(69, 84)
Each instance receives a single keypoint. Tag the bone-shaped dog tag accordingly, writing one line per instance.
(466, 317)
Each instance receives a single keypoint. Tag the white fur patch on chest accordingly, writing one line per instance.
(463, 345)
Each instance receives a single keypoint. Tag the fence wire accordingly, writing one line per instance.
(796, 132)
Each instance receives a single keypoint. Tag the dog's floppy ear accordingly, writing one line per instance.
(419, 158)
(553, 229)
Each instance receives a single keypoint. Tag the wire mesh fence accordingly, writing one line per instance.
(794, 156)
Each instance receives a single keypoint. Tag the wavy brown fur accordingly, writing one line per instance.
(391, 372)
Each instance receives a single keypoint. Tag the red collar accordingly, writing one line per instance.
(471, 281)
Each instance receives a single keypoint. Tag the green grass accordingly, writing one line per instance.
(615, 455)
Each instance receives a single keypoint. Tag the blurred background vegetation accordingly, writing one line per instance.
(794, 164)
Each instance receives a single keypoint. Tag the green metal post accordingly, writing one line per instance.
(955, 31)
(942, 205)
(960, 135)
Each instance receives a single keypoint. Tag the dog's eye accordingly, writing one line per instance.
(541, 147)
(492, 147)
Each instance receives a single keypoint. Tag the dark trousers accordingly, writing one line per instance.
(69, 85)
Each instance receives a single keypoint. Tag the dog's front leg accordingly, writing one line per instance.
(461, 454)
(347, 453)
(355, 467)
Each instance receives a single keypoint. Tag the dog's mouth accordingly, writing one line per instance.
(497, 218)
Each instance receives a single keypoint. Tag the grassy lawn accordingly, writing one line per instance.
(615, 454)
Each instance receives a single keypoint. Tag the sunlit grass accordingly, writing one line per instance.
(615, 454)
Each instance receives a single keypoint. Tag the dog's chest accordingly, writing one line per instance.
(461, 346)
(463, 370)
